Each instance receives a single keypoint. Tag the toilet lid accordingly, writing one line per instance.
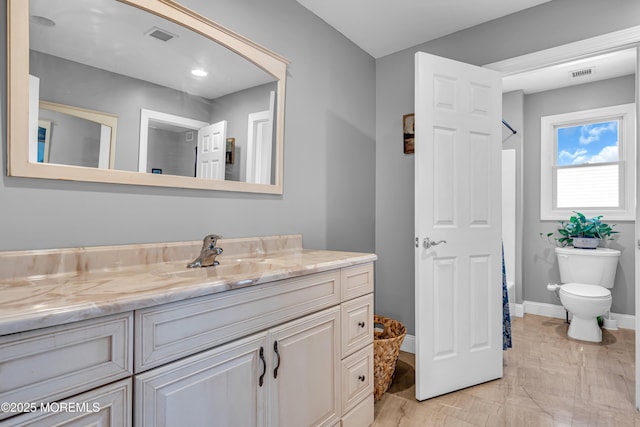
(582, 290)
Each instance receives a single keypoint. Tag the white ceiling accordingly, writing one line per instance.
(602, 67)
(118, 42)
(113, 36)
(382, 27)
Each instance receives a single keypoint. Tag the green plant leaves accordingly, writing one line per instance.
(581, 226)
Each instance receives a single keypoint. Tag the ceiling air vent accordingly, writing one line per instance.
(160, 34)
(582, 72)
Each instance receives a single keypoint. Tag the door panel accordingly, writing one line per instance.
(211, 151)
(457, 201)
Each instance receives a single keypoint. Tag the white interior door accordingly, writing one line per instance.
(260, 144)
(211, 151)
(458, 284)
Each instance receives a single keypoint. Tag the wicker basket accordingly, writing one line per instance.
(388, 337)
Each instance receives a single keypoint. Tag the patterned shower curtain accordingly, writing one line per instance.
(506, 318)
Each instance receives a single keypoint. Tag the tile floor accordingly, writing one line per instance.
(549, 380)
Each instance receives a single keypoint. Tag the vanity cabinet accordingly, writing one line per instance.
(309, 362)
(291, 352)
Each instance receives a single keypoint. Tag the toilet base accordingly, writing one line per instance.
(585, 329)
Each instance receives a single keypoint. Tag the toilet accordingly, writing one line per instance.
(587, 276)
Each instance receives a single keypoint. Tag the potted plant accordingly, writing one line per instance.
(582, 232)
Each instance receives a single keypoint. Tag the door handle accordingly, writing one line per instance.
(427, 242)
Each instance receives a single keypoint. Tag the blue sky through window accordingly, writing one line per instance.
(592, 143)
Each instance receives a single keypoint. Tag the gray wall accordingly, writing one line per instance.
(540, 263)
(72, 140)
(517, 34)
(170, 151)
(235, 109)
(328, 170)
(112, 93)
(338, 171)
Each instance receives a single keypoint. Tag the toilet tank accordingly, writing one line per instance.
(589, 266)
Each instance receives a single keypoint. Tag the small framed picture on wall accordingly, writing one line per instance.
(409, 133)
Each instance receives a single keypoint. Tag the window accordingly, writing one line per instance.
(588, 163)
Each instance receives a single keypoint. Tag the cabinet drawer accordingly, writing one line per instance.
(357, 377)
(108, 406)
(357, 324)
(357, 281)
(361, 415)
(169, 332)
(53, 363)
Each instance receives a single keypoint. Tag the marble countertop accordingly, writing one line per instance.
(74, 285)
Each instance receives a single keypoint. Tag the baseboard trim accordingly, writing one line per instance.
(409, 344)
(544, 309)
(518, 310)
(625, 321)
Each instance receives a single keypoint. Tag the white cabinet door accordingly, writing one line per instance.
(305, 371)
(220, 387)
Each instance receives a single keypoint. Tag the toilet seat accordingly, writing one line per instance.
(586, 291)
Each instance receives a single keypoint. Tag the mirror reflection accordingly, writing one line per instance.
(75, 136)
(177, 97)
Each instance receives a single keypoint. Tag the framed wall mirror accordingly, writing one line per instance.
(144, 63)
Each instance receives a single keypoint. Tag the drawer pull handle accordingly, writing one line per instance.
(275, 349)
(361, 324)
(264, 367)
(361, 378)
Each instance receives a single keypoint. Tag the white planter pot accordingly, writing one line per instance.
(586, 242)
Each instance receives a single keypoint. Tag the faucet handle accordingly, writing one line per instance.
(210, 241)
(208, 253)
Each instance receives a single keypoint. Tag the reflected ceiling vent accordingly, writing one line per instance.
(582, 72)
(160, 34)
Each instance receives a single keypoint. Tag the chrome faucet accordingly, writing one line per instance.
(208, 253)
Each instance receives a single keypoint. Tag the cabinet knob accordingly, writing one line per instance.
(361, 378)
(361, 324)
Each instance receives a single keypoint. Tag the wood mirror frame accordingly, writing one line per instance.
(18, 163)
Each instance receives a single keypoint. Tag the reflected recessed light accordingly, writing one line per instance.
(199, 72)
(41, 20)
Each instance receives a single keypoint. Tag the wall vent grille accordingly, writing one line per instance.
(582, 72)
(160, 34)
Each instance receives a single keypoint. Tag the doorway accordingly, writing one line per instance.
(574, 55)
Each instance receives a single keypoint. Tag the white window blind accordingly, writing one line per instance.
(588, 187)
